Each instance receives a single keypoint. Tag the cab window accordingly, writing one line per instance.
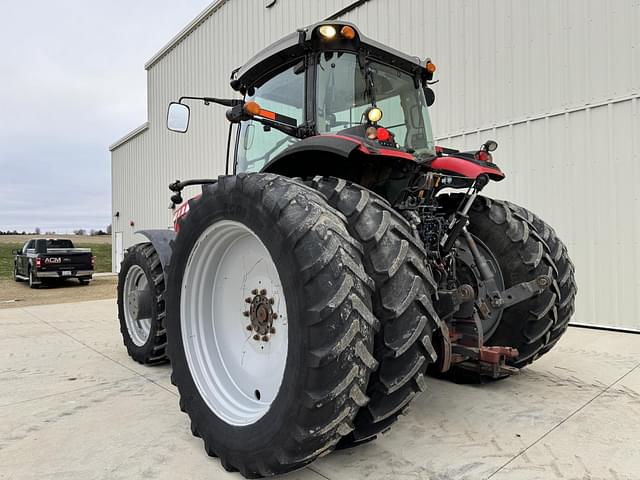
(258, 144)
(343, 94)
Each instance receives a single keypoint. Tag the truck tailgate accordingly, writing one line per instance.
(62, 259)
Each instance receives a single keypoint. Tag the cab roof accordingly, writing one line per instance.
(296, 44)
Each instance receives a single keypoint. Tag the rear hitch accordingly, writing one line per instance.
(487, 361)
(520, 292)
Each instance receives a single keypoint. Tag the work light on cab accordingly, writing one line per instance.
(374, 114)
(327, 31)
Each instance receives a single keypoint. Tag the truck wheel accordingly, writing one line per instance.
(526, 247)
(141, 306)
(33, 281)
(402, 302)
(269, 323)
(84, 281)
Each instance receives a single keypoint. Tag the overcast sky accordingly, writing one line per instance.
(72, 81)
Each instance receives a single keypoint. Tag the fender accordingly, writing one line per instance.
(467, 167)
(332, 154)
(161, 241)
(335, 145)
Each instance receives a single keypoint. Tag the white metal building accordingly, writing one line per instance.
(555, 82)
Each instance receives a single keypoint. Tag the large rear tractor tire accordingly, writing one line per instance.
(141, 305)
(565, 285)
(402, 302)
(269, 322)
(525, 248)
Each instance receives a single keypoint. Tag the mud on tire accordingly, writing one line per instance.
(330, 326)
(402, 302)
(153, 350)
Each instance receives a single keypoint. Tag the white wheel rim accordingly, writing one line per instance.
(139, 329)
(237, 376)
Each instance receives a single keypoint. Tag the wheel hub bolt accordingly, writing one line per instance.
(261, 314)
(543, 281)
(497, 302)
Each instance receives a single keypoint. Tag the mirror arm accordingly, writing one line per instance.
(238, 114)
(178, 186)
(288, 129)
(227, 102)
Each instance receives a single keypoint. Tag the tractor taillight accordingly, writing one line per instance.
(483, 156)
(93, 261)
(383, 134)
(38, 262)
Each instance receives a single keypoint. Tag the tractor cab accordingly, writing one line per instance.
(328, 94)
(329, 80)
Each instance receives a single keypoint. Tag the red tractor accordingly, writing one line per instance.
(304, 295)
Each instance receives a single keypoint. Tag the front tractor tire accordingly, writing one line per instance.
(526, 247)
(269, 323)
(402, 302)
(141, 305)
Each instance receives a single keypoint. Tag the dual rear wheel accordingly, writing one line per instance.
(299, 317)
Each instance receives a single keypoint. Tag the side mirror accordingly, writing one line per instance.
(178, 117)
(490, 145)
(430, 96)
(16, 252)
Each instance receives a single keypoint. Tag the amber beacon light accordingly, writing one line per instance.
(348, 32)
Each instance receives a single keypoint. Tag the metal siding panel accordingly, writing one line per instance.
(565, 170)
(499, 62)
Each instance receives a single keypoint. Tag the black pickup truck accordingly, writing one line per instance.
(41, 260)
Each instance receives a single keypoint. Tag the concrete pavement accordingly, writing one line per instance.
(74, 406)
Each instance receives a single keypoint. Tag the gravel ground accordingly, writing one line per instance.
(18, 294)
